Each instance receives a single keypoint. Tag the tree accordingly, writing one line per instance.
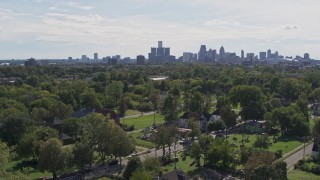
(216, 125)
(39, 114)
(154, 98)
(204, 142)
(50, 156)
(61, 110)
(290, 119)
(256, 159)
(139, 175)
(98, 134)
(228, 116)
(4, 158)
(83, 154)
(90, 99)
(219, 154)
(32, 140)
(122, 144)
(13, 128)
(151, 165)
(114, 90)
(196, 102)
(250, 98)
(262, 141)
(292, 88)
(133, 165)
(195, 152)
(245, 95)
(194, 126)
(169, 108)
(160, 139)
(164, 136)
(222, 101)
(122, 106)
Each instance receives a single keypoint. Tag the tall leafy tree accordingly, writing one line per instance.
(50, 157)
(169, 108)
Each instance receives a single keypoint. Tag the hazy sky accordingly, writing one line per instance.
(62, 28)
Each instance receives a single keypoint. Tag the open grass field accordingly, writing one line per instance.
(184, 165)
(302, 175)
(284, 145)
(143, 121)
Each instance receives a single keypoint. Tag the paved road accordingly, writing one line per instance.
(294, 158)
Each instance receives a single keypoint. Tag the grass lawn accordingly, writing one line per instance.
(139, 142)
(17, 165)
(143, 121)
(302, 175)
(184, 165)
(285, 146)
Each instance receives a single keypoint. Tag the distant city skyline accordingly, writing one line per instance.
(69, 28)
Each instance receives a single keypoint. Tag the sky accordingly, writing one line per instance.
(62, 28)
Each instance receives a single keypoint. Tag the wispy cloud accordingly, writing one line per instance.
(130, 27)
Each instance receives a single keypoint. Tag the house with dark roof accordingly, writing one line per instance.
(106, 112)
(204, 119)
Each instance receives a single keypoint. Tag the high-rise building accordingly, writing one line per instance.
(211, 55)
(95, 56)
(242, 54)
(202, 53)
(250, 56)
(269, 54)
(263, 56)
(221, 54)
(117, 57)
(160, 54)
(141, 60)
(84, 58)
(187, 57)
(306, 56)
(112, 61)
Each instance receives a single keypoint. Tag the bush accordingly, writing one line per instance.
(278, 154)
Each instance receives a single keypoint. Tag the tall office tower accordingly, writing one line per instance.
(276, 54)
(95, 56)
(250, 56)
(269, 54)
(202, 53)
(306, 56)
(242, 54)
(154, 50)
(221, 54)
(211, 55)
(195, 57)
(84, 57)
(141, 60)
(263, 56)
(187, 57)
(167, 51)
(160, 54)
